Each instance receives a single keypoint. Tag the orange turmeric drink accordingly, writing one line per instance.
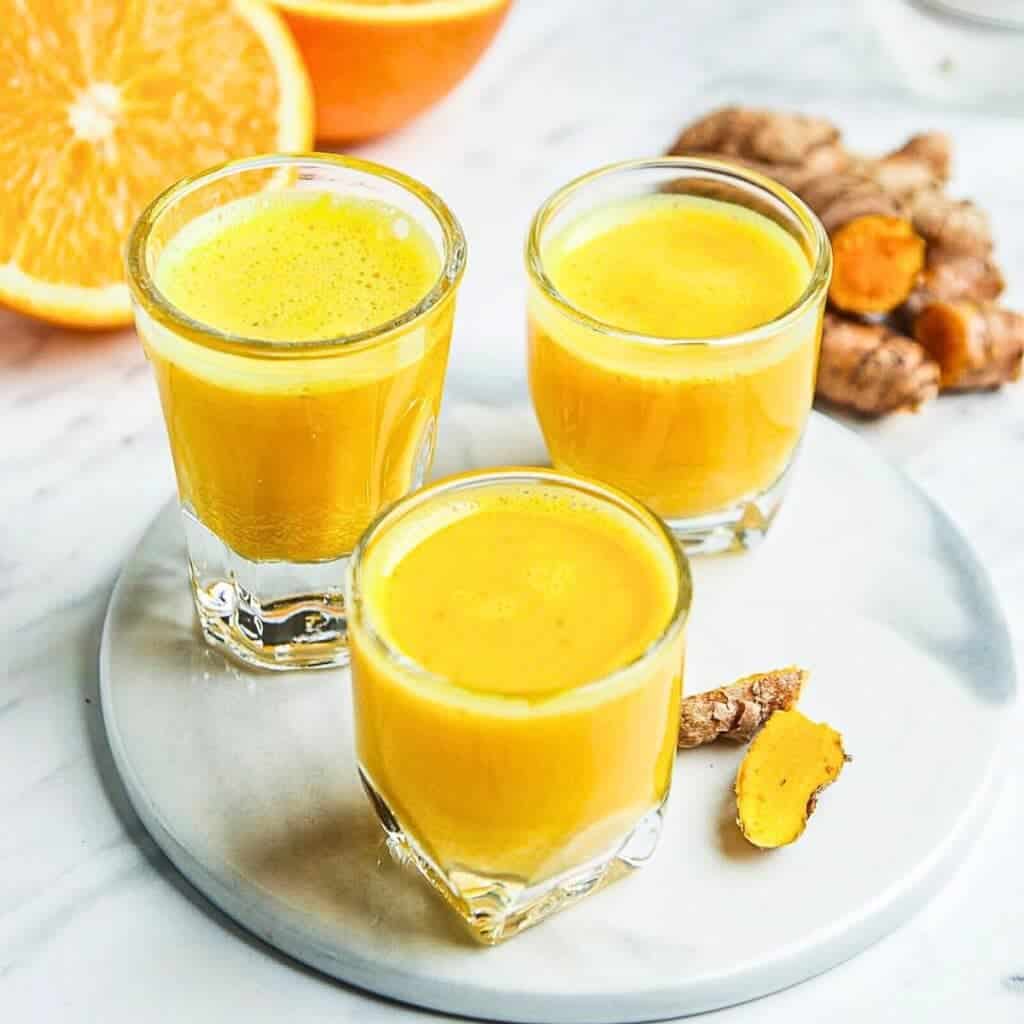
(674, 321)
(297, 313)
(517, 653)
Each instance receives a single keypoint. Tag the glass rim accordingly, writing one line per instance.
(722, 170)
(146, 293)
(356, 603)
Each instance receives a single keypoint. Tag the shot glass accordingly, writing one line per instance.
(702, 430)
(513, 805)
(285, 450)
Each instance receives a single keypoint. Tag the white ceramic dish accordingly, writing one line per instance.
(248, 781)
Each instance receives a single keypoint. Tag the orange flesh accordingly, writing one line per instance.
(877, 263)
(104, 105)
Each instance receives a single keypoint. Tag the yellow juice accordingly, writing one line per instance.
(533, 735)
(286, 453)
(687, 428)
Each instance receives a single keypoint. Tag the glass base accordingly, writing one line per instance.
(737, 528)
(270, 615)
(497, 908)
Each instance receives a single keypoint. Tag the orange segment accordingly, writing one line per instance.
(104, 104)
(376, 64)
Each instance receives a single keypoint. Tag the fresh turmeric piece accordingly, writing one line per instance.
(876, 263)
(735, 712)
(876, 253)
(872, 369)
(976, 345)
(789, 763)
(959, 263)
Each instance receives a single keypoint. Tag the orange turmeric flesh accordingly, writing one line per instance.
(790, 761)
(877, 261)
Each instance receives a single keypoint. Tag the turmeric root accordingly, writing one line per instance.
(876, 253)
(841, 198)
(791, 148)
(901, 248)
(872, 369)
(737, 711)
(922, 161)
(954, 235)
(790, 762)
(951, 226)
(959, 263)
(879, 267)
(950, 278)
(976, 345)
(876, 263)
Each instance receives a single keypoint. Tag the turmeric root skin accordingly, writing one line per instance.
(791, 148)
(951, 278)
(737, 711)
(922, 162)
(977, 346)
(789, 763)
(951, 226)
(932, 149)
(872, 369)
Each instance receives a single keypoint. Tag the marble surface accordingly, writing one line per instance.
(94, 923)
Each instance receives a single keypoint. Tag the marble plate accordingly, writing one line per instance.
(248, 781)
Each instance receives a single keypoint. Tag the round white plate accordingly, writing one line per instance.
(248, 781)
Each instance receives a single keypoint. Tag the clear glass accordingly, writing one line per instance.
(514, 807)
(284, 451)
(703, 431)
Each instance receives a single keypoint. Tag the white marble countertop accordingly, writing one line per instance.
(94, 923)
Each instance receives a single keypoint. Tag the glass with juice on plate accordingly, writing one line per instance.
(674, 316)
(297, 312)
(517, 655)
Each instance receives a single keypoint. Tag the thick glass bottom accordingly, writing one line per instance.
(496, 908)
(270, 615)
(741, 526)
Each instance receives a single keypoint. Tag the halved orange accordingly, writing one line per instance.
(376, 64)
(104, 104)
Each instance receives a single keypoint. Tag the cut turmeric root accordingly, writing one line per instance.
(977, 345)
(790, 761)
(876, 263)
